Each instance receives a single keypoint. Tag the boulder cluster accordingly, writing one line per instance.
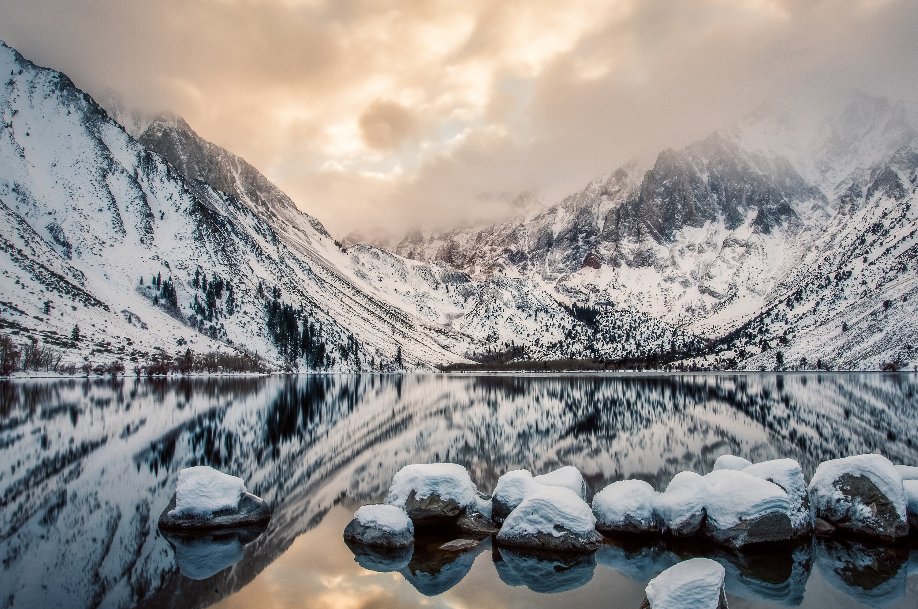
(738, 504)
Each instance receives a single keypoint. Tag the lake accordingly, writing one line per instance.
(86, 467)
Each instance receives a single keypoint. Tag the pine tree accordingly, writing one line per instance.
(75, 334)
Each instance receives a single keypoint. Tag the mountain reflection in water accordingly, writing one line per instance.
(87, 466)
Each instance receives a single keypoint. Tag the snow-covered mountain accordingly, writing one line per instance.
(138, 247)
(715, 234)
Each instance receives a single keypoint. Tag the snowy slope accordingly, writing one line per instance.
(90, 213)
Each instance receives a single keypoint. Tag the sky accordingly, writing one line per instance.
(395, 114)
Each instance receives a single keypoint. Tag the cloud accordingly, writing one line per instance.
(393, 112)
(384, 125)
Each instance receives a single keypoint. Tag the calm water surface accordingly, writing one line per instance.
(87, 466)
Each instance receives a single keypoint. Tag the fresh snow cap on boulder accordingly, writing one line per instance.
(626, 506)
(681, 505)
(432, 491)
(743, 509)
(568, 477)
(788, 474)
(509, 492)
(731, 462)
(692, 584)
(551, 518)
(911, 496)
(204, 490)
(208, 499)
(908, 472)
(385, 526)
(862, 494)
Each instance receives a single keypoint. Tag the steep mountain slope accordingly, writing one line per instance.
(717, 233)
(91, 216)
(168, 242)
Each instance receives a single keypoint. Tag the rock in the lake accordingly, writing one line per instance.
(788, 474)
(863, 494)
(731, 462)
(381, 526)
(460, 545)
(911, 494)
(513, 486)
(744, 510)
(476, 523)
(697, 583)
(551, 519)
(510, 490)
(681, 505)
(207, 499)
(432, 492)
(627, 506)
(567, 477)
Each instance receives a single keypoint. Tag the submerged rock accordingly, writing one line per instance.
(553, 519)
(681, 505)
(383, 526)
(627, 506)
(208, 499)
(744, 510)
(863, 495)
(460, 545)
(433, 570)
(697, 583)
(432, 492)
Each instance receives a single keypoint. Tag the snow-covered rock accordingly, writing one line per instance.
(788, 474)
(567, 477)
(385, 526)
(551, 518)
(731, 462)
(204, 490)
(911, 496)
(697, 583)
(681, 506)
(626, 506)
(510, 490)
(908, 472)
(432, 491)
(744, 510)
(208, 499)
(863, 494)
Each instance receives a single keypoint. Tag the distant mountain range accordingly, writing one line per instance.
(774, 244)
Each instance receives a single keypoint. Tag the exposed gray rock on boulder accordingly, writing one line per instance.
(250, 511)
(863, 495)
